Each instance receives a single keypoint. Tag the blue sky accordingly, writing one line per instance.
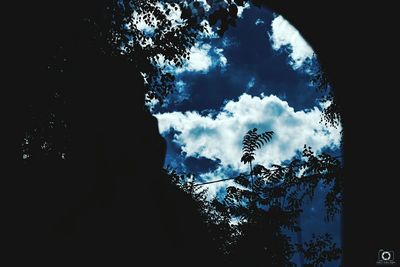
(257, 75)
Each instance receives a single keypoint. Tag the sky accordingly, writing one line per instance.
(256, 76)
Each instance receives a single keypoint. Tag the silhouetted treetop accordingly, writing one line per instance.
(331, 114)
(319, 250)
(157, 37)
(252, 141)
(251, 223)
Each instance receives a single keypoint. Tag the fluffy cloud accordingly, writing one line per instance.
(199, 60)
(202, 58)
(241, 9)
(221, 58)
(219, 136)
(259, 22)
(283, 34)
(251, 83)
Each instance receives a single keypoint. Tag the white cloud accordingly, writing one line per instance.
(259, 21)
(221, 58)
(208, 31)
(174, 15)
(200, 59)
(220, 137)
(241, 9)
(151, 104)
(251, 83)
(140, 23)
(283, 35)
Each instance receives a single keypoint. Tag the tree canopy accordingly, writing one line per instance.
(254, 221)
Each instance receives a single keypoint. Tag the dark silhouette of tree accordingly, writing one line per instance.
(104, 32)
(251, 142)
(91, 185)
(268, 210)
(166, 38)
(331, 114)
(215, 216)
(319, 250)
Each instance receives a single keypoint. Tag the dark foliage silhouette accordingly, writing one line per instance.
(167, 39)
(268, 209)
(253, 141)
(331, 113)
(319, 250)
(91, 155)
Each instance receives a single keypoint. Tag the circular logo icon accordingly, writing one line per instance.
(385, 255)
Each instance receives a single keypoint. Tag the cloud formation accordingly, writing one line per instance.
(259, 22)
(219, 136)
(202, 58)
(241, 9)
(284, 35)
(251, 83)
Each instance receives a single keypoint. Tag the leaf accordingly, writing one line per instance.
(242, 180)
(253, 141)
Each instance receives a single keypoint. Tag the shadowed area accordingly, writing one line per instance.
(106, 199)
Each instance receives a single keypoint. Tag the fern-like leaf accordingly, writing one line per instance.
(253, 141)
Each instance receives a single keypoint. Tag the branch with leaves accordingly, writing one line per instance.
(269, 206)
(253, 141)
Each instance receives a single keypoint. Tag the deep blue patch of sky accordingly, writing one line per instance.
(251, 59)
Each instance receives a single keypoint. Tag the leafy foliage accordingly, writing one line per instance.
(277, 197)
(215, 214)
(332, 110)
(156, 35)
(319, 250)
(253, 141)
(269, 209)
